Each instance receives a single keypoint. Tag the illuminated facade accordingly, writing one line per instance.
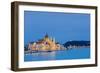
(45, 44)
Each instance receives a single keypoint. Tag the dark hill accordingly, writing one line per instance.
(77, 43)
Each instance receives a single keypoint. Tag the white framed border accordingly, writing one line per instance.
(33, 64)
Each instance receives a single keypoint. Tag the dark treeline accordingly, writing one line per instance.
(77, 43)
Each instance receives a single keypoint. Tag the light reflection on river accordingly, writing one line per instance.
(77, 53)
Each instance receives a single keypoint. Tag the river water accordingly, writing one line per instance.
(75, 53)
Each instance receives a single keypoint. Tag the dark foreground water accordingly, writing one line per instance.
(76, 53)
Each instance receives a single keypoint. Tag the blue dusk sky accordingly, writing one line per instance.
(61, 26)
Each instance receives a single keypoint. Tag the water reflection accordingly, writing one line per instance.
(58, 55)
(48, 55)
(41, 56)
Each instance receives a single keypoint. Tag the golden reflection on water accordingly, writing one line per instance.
(49, 55)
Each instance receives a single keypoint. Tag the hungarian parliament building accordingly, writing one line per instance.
(45, 44)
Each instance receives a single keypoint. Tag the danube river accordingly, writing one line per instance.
(75, 53)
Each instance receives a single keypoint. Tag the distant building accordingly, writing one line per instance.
(45, 44)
